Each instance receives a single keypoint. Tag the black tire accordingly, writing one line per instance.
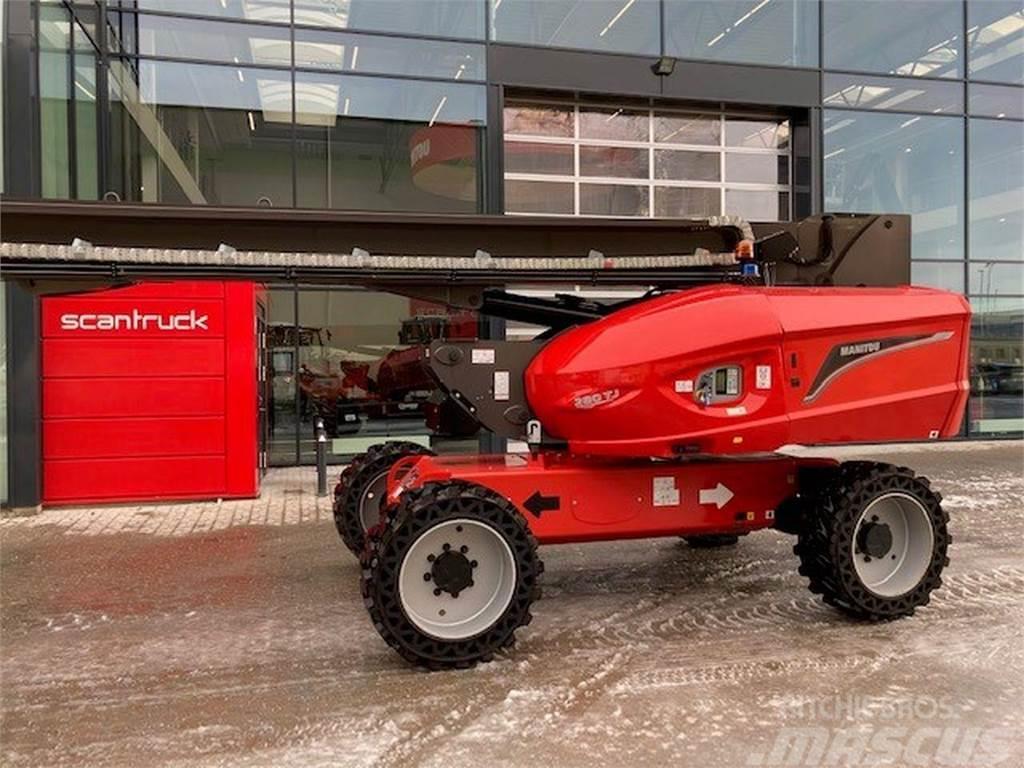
(363, 471)
(826, 545)
(419, 511)
(712, 540)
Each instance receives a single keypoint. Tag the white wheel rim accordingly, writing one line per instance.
(369, 502)
(477, 608)
(906, 562)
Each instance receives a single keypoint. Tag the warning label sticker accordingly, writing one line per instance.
(763, 377)
(501, 385)
(483, 357)
(664, 492)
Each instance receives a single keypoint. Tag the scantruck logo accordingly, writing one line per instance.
(134, 321)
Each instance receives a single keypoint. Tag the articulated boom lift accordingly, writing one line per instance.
(662, 416)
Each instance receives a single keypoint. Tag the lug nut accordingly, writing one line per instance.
(458, 529)
(430, 558)
(455, 594)
(867, 558)
(426, 577)
(473, 563)
(446, 546)
(437, 593)
(463, 549)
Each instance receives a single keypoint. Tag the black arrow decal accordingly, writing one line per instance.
(537, 503)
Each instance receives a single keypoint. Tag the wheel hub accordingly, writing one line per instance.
(451, 572)
(875, 539)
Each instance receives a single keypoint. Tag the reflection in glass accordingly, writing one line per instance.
(687, 129)
(539, 197)
(899, 94)
(624, 26)
(620, 162)
(616, 124)
(203, 134)
(683, 165)
(273, 11)
(894, 38)
(756, 134)
(784, 32)
(438, 18)
(360, 369)
(938, 274)
(996, 205)
(686, 203)
(995, 40)
(392, 145)
(757, 205)
(614, 200)
(998, 101)
(997, 365)
(538, 120)
(359, 53)
(203, 39)
(885, 163)
(524, 157)
(751, 168)
(994, 278)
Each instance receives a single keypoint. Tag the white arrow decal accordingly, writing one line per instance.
(719, 495)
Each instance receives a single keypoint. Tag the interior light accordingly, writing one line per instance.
(347, 101)
(440, 106)
(355, 56)
(616, 17)
(252, 122)
(907, 149)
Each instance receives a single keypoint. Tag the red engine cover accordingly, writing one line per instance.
(792, 365)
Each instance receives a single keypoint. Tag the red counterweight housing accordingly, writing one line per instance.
(731, 369)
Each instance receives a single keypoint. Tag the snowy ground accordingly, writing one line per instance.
(248, 645)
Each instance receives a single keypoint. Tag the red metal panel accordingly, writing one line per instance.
(133, 357)
(167, 396)
(99, 480)
(133, 437)
(149, 393)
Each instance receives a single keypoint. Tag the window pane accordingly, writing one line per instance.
(205, 134)
(86, 138)
(680, 165)
(213, 40)
(54, 93)
(881, 163)
(938, 274)
(756, 168)
(602, 25)
(997, 352)
(341, 51)
(996, 206)
(522, 157)
(995, 40)
(901, 95)
(617, 124)
(282, 338)
(360, 370)
(614, 200)
(782, 32)
(440, 18)
(999, 101)
(993, 277)
(621, 162)
(321, 99)
(906, 38)
(757, 134)
(390, 145)
(538, 120)
(277, 11)
(757, 205)
(538, 197)
(682, 203)
(687, 129)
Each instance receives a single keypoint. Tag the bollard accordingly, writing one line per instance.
(321, 458)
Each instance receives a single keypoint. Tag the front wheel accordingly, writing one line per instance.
(362, 486)
(873, 542)
(451, 575)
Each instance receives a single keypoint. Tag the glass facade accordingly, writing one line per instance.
(597, 159)
(389, 105)
(353, 358)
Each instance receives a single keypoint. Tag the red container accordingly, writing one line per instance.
(150, 393)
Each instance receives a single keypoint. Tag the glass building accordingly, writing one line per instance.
(770, 109)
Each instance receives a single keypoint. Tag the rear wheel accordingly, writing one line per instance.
(361, 487)
(451, 575)
(873, 542)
